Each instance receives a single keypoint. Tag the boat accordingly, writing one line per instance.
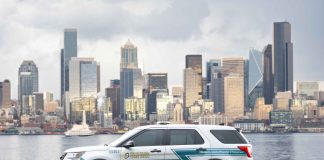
(80, 129)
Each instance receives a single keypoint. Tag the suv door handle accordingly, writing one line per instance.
(156, 150)
(201, 149)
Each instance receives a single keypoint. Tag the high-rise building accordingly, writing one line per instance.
(213, 67)
(215, 87)
(233, 65)
(246, 85)
(233, 71)
(154, 83)
(255, 82)
(217, 92)
(282, 58)
(113, 93)
(307, 89)
(131, 79)
(83, 78)
(234, 96)
(70, 50)
(193, 79)
(268, 88)
(27, 81)
(131, 85)
(39, 102)
(129, 56)
(192, 87)
(5, 94)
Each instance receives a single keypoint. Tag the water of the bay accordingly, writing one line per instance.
(297, 146)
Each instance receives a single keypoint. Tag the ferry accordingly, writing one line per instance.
(80, 129)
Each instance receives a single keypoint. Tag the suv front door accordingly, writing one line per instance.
(186, 144)
(148, 144)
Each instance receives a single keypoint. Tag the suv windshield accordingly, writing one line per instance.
(229, 136)
(128, 134)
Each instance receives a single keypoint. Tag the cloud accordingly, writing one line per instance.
(33, 29)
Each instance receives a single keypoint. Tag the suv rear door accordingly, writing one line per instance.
(229, 144)
(185, 144)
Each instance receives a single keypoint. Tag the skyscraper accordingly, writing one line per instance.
(39, 102)
(234, 96)
(255, 81)
(233, 67)
(282, 58)
(131, 78)
(268, 88)
(70, 50)
(129, 56)
(113, 92)
(130, 85)
(83, 78)
(5, 94)
(193, 79)
(27, 81)
(215, 86)
(154, 83)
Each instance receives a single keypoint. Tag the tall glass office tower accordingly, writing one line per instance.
(27, 81)
(282, 57)
(70, 50)
(268, 89)
(255, 83)
(131, 79)
(83, 78)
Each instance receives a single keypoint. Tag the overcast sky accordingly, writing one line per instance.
(164, 32)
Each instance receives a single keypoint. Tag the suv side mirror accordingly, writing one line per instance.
(129, 144)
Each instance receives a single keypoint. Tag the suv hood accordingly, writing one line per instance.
(88, 148)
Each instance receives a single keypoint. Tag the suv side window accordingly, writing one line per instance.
(152, 137)
(228, 136)
(184, 137)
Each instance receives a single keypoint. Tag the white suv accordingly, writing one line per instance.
(170, 142)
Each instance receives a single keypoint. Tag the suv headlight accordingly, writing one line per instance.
(74, 155)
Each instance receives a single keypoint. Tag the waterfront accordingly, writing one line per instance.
(296, 146)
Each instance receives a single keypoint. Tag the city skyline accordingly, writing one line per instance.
(42, 43)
